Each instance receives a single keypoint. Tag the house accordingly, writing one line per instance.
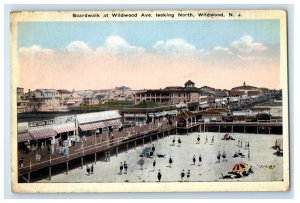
(46, 100)
(22, 101)
(73, 100)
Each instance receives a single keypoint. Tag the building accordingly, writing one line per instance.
(169, 95)
(88, 97)
(45, 100)
(63, 95)
(22, 101)
(65, 130)
(73, 100)
(98, 122)
(246, 90)
(207, 91)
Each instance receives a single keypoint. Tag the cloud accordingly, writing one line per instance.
(79, 47)
(115, 44)
(175, 46)
(246, 45)
(35, 49)
(220, 49)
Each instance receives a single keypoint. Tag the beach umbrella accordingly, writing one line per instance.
(240, 167)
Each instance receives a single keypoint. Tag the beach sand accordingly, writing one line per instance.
(261, 158)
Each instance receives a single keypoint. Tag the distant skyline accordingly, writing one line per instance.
(150, 55)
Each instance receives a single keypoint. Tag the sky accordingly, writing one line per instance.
(148, 54)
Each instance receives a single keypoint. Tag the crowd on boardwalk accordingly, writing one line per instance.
(35, 154)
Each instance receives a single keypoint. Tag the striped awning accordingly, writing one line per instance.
(92, 126)
(100, 124)
(66, 127)
(23, 137)
(42, 133)
(86, 127)
(113, 123)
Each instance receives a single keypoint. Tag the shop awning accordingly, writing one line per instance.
(66, 127)
(113, 123)
(204, 106)
(23, 137)
(42, 133)
(150, 114)
(172, 112)
(129, 115)
(86, 127)
(163, 113)
(100, 125)
(157, 114)
(184, 109)
(140, 115)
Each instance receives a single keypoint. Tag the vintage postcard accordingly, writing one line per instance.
(149, 101)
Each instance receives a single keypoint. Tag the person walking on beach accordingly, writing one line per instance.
(194, 159)
(121, 168)
(170, 162)
(206, 139)
(88, 170)
(182, 174)
(224, 156)
(154, 163)
(200, 160)
(213, 139)
(108, 155)
(159, 175)
(179, 142)
(141, 162)
(173, 141)
(125, 167)
(198, 139)
(219, 156)
(153, 148)
(248, 154)
(92, 169)
(188, 174)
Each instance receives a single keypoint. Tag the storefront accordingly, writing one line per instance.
(98, 122)
(66, 133)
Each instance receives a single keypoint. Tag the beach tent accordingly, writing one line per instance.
(240, 167)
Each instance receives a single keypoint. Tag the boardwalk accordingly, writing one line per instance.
(92, 146)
